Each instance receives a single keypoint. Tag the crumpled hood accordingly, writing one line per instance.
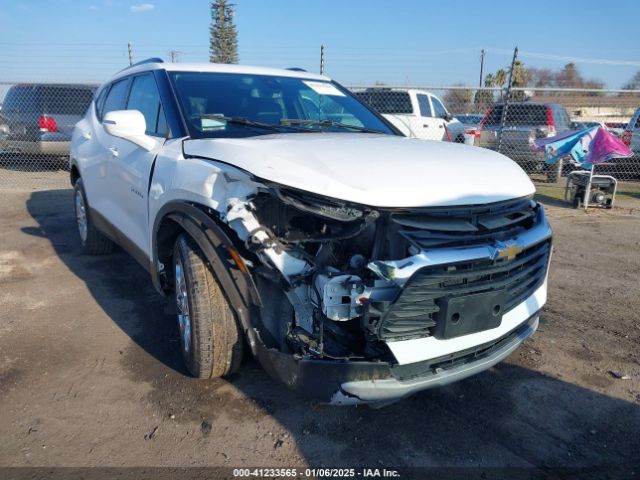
(372, 169)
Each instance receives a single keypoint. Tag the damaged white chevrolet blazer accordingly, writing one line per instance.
(283, 214)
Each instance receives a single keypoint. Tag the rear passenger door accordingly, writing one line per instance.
(98, 169)
(131, 166)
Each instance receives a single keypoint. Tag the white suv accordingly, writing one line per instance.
(276, 208)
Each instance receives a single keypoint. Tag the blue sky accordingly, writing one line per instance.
(429, 43)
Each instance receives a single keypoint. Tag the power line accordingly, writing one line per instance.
(565, 58)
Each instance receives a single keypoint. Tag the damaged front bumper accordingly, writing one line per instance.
(358, 382)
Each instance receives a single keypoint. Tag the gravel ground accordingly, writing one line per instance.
(90, 373)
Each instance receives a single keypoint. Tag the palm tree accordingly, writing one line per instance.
(501, 77)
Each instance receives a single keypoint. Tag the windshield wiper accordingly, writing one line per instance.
(326, 123)
(244, 121)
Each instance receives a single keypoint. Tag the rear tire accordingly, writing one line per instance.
(210, 338)
(93, 241)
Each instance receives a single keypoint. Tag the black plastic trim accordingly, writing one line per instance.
(175, 121)
(116, 235)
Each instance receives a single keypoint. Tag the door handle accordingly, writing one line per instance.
(86, 135)
(425, 125)
(441, 126)
(114, 151)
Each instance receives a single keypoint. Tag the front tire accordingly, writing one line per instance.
(93, 241)
(210, 338)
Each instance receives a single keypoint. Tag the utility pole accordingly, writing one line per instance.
(481, 66)
(321, 59)
(173, 54)
(130, 49)
(505, 108)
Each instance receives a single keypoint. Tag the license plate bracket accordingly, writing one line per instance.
(465, 314)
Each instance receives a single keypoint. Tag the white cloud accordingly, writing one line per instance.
(143, 7)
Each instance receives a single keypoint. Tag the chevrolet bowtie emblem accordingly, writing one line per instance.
(508, 251)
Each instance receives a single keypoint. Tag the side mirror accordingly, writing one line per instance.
(129, 125)
(447, 117)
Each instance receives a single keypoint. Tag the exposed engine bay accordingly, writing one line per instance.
(342, 266)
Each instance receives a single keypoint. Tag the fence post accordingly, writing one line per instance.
(505, 108)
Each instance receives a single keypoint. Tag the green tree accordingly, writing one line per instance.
(484, 98)
(223, 42)
(500, 78)
(519, 79)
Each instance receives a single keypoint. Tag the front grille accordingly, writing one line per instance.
(413, 313)
(468, 225)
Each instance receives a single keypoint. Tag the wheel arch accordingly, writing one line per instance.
(218, 248)
(74, 173)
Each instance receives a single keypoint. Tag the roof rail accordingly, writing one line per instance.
(296, 69)
(142, 62)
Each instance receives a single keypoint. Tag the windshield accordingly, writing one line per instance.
(241, 105)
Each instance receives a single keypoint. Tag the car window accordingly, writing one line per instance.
(65, 100)
(99, 102)
(162, 129)
(637, 125)
(387, 101)
(438, 108)
(22, 99)
(145, 98)
(117, 96)
(518, 115)
(423, 104)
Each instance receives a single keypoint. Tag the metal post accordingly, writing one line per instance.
(505, 107)
(130, 49)
(481, 66)
(321, 59)
(587, 191)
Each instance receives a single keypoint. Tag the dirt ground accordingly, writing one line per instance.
(90, 373)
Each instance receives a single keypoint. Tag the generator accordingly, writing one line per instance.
(602, 189)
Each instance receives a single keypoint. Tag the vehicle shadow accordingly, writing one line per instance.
(511, 417)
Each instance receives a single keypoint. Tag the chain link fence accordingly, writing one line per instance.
(36, 123)
(37, 120)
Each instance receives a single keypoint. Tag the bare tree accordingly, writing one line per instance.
(634, 83)
(223, 43)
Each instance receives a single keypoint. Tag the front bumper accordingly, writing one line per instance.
(356, 382)
(436, 374)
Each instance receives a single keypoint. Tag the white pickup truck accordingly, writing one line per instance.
(416, 113)
(281, 214)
